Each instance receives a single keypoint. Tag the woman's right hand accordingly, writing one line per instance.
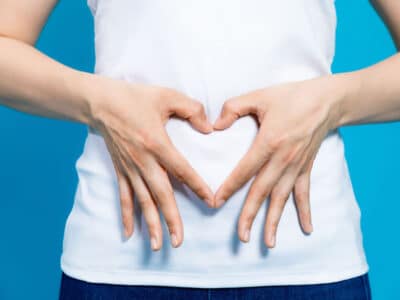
(131, 118)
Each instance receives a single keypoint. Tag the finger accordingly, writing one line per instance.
(157, 180)
(259, 190)
(179, 167)
(302, 197)
(149, 210)
(279, 196)
(191, 110)
(248, 166)
(126, 202)
(302, 201)
(125, 189)
(235, 108)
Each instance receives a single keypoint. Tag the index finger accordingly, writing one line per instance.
(179, 167)
(258, 154)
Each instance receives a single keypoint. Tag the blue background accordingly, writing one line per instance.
(37, 161)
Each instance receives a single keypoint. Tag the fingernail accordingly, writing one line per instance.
(310, 228)
(210, 127)
(219, 203)
(174, 240)
(154, 243)
(272, 241)
(209, 202)
(246, 235)
(127, 232)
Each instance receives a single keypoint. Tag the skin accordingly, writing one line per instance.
(131, 118)
(294, 118)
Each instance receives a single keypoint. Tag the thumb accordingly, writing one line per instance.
(193, 111)
(233, 109)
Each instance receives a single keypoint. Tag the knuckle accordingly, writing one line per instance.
(227, 190)
(125, 201)
(289, 157)
(229, 106)
(164, 196)
(301, 195)
(198, 188)
(180, 174)
(153, 227)
(279, 195)
(275, 141)
(272, 223)
(305, 214)
(140, 138)
(124, 205)
(164, 93)
(151, 143)
(202, 191)
(247, 217)
(265, 153)
(145, 203)
(123, 194)
(257, 188)
(172, 224)
(198, 108)
(257, 192)
(126, 218)
(260, 192)
(272, 217)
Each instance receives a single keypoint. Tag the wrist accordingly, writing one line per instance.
(345, 88)
(91, 95)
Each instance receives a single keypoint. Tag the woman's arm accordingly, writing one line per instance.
(294, 119)
(131, 117)
(370, 95)
(373, 94)
(30, 81)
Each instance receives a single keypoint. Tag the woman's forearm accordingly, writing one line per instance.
(34, 83)
(371, 95)
(138, 143)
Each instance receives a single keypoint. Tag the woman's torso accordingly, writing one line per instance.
(213, 50)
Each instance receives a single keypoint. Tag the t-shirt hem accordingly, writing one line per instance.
(195, 280)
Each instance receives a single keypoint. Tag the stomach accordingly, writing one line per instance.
(212, 61)
(95, 218)
(93, 232)
(213, 155)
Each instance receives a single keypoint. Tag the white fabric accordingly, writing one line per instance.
(212, 50)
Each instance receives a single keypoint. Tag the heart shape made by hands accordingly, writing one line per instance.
(213, 156)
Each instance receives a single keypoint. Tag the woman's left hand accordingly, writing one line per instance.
(293, 120)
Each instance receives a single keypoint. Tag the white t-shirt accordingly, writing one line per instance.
(212, 50)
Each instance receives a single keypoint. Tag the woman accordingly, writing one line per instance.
(217, 119)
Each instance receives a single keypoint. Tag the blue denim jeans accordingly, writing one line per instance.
(357, 288)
